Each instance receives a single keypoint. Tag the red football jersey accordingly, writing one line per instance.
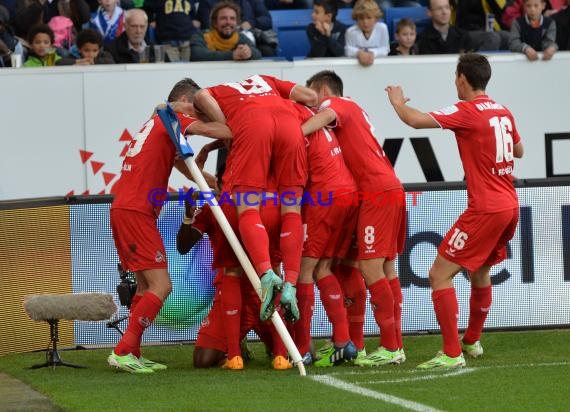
(362, 152)
(260, 90)
(486, 134)
(147, 167)
(327, 171)
(206, 223)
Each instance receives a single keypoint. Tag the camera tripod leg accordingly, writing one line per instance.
(114, 324)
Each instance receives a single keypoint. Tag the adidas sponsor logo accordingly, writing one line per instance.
(285, 234)
(231, 312)
(335, 297)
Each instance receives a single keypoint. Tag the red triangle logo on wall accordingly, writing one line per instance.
(96, 166)
(125, 136)
(108, 177)
(85, 155)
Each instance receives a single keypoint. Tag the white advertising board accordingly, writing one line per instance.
(49, 115)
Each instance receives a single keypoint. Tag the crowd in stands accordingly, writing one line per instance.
(82, 32)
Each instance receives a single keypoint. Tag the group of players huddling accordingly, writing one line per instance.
(284, 140)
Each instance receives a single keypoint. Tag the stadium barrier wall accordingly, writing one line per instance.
(65, 245)
(65, 129)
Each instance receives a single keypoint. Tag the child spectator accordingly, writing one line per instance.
(368, 38)
(89, 50)
(325, 33)
(534, 32)
(109, 19)
(405, 43)
(515, 9)
(42, 51)
(90, 47)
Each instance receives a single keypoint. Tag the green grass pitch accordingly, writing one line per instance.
(520, 371)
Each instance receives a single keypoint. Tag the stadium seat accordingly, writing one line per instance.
(291, 28)
(417, 14)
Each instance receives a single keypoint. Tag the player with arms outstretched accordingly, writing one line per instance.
(488, 142)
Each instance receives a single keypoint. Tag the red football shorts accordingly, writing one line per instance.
(479, 239)
(381, 228)
(268, 141)
(328, 230)
(212, 332)
(137, 240)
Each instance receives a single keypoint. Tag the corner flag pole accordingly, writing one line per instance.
(172, 126)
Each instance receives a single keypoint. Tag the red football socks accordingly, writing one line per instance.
(255, 239)
(291, 245)
(141, 318)
(302, 328)
(333, 302)
(447, 312)
(135, 300)
(398, 299)
(479, 305)
(231, 305)
(382, 301)
(354, 291)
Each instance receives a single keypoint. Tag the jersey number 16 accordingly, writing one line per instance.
(504, 140)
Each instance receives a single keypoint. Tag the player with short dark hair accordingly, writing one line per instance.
(267, 143)
(329, 224)
(488, 142)
(146, 168)
(236, 304)
(380, 231)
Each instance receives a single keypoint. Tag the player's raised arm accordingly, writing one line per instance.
(215, 130)
(518, 150)
(318, 121)
(412, 117)
(188, 235)
(202, 155)
(304, 95)
(205, 103)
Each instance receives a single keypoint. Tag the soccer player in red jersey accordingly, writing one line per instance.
(267, 140)
(381, 226)
(327, 224)
(231, 316)
(488, 142)
(144, 174)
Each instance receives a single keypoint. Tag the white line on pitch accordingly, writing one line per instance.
(525, 365)
(392, 369)
(349, 387)
(425, 377)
